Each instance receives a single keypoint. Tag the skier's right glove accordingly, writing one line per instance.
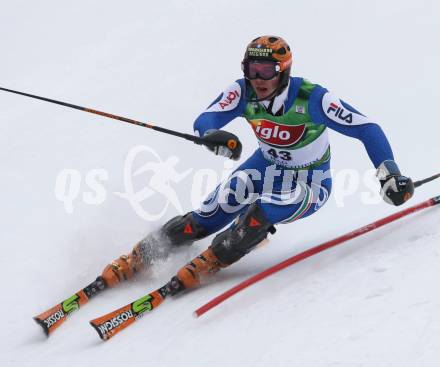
(223, 143)
(396, 189)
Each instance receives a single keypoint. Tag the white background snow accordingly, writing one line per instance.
(371, 302)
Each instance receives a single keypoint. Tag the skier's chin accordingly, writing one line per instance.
(263, 93)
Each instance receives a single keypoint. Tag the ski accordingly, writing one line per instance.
(54, 317)
(116, 321)
(112, 323)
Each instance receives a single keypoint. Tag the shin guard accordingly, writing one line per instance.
(251, 228)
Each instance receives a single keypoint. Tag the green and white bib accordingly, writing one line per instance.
(291, 140)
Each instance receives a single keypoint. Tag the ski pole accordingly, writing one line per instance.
(429, 179)
(231, 144)
(313, 251)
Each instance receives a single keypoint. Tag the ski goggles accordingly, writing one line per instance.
(265, 70)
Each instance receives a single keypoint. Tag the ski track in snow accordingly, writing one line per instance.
(372, 301)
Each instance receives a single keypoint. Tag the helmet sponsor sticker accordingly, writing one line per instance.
(335, 110)
(259, 52)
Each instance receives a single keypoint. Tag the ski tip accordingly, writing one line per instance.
(42, 324)
(195, 315)
(101, 335)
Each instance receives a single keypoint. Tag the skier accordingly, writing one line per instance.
(278, 182)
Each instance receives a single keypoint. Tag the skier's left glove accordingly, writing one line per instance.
(223, 143)
(396, 189)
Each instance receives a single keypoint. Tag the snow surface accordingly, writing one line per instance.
(371, 302)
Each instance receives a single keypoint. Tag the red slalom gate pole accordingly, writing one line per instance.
(313, 251)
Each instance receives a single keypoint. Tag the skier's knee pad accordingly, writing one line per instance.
(183, 230)
(232, 244)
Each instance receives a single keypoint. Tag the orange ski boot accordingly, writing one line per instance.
(199, 268)
(193, 273)
(124, 268)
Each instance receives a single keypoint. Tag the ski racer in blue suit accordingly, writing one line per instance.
(285, 179)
